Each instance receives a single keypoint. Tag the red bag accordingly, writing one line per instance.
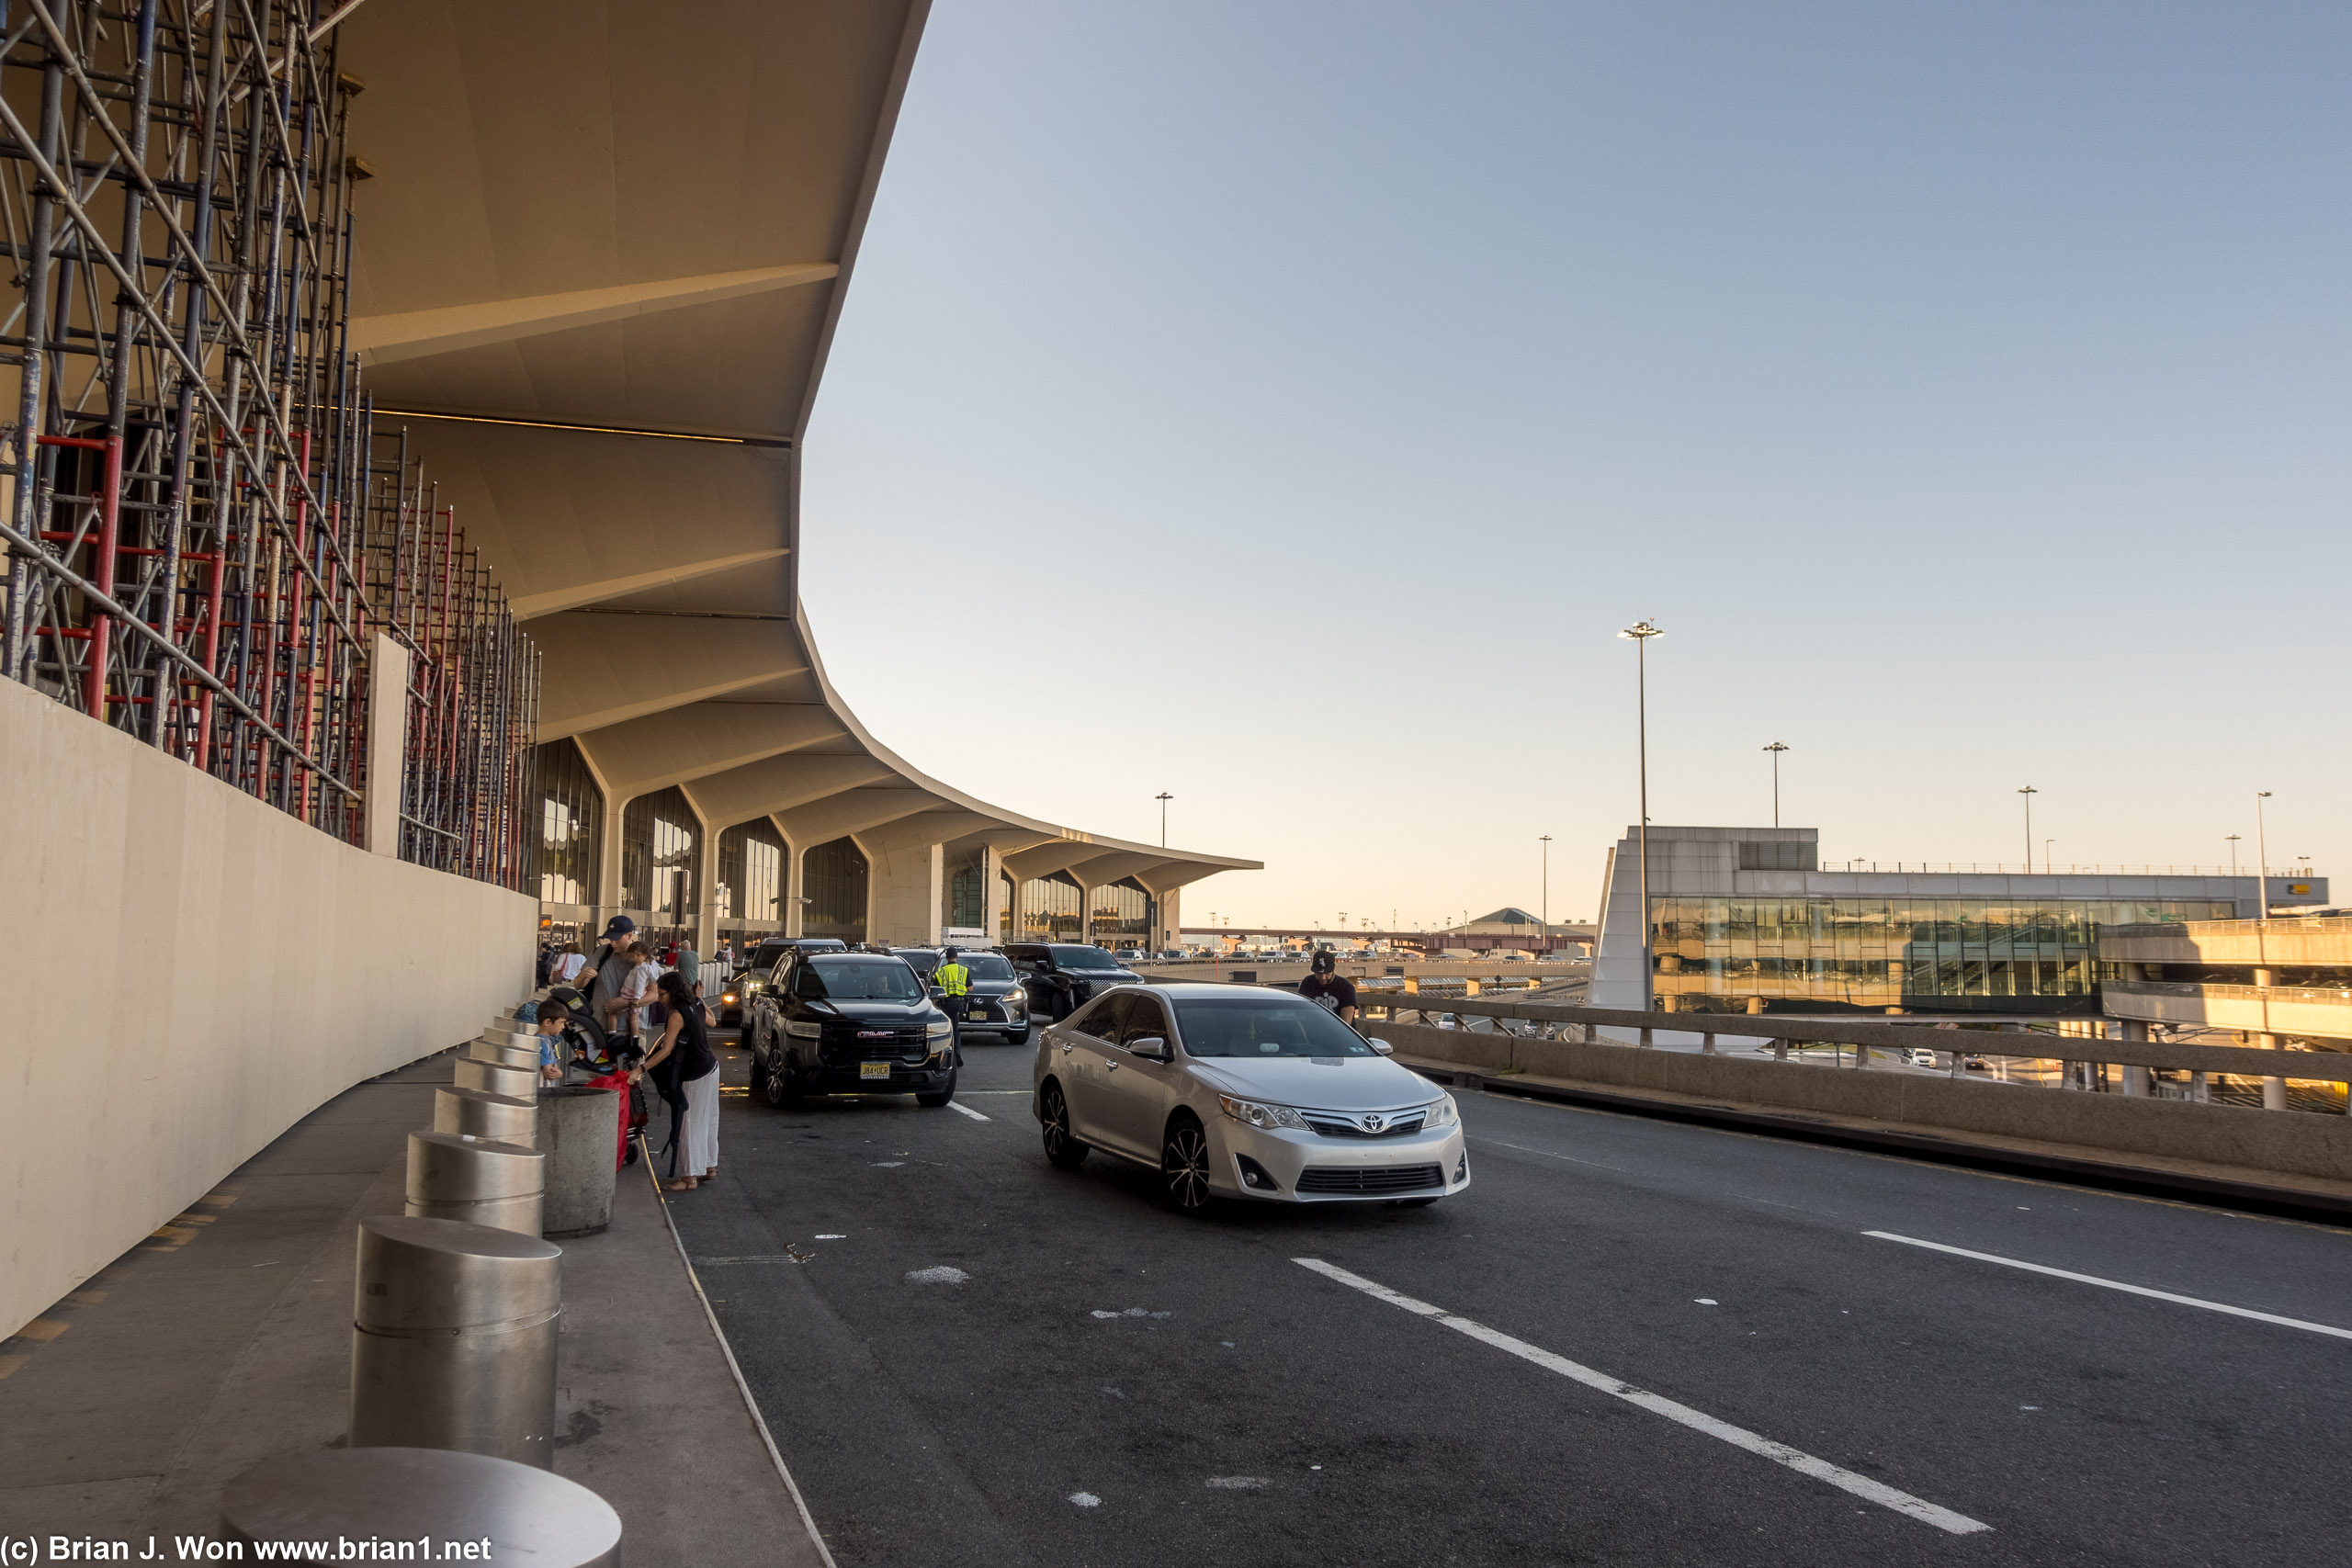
(632, 1115)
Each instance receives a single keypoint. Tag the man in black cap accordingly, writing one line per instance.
(1325, 987)
(611, 963)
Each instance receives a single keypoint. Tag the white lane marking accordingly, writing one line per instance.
(2115, 1285)
(968, 1092)
(1547, 1154)
(1803, 1463)
(970, 1112)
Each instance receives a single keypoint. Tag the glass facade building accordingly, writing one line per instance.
(1818, 953)
(572, 823)
(1118, 915)
(833, 880)
(749, 897)
(964, 888)
(660, 854)
(1050, 908)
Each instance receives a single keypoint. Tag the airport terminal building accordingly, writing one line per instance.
(1746, 919)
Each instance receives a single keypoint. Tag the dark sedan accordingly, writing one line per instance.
(849, 1023)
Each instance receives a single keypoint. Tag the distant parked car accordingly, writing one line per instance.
(993, 1002)
(754, 976)
(1061, 977)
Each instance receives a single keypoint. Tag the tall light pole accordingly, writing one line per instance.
(1544, 909)
(1639, 634)
(2045, 856)
(2261, 870)
(1163, 798)
(2234, 852)
(2029, 792)
(2274, 1090)
(1776, 748)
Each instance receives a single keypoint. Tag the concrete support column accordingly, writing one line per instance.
(992, 894)
(1171, 918)
(610, 897)
(388, 745)
(2135, 1079)
(790, 914)
(902, 893)
(705, 918)
(2274, 1090)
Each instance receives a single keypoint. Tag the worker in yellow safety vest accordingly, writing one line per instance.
(951, 978)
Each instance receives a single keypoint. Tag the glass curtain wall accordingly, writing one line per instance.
(748, 903)
(661, 849)
(1119, 915)
(1051, 909)
(1872, 954)
(1009, 912)
(963, 889)
(572, 823)
(833, 880)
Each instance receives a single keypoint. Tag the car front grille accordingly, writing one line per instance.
(904, 1045)
(1370, 1177)
(1332, 1124)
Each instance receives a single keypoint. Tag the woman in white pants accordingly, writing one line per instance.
(683, 1054)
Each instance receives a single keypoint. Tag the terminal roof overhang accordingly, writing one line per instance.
(604, 247)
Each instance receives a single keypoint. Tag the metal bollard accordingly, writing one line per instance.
(484, 1115)
(504, 1055)
(386, 1494)
(480, 1181)
(519, 1035)
(453, 1339)
(580, 1135)
(519, 1083)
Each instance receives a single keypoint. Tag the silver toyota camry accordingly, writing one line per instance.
(1241, 1091)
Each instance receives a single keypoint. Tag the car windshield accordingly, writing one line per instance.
(846, 979)
(1264, 1026)
(1084, 958)
(987, 966)
(922, 958)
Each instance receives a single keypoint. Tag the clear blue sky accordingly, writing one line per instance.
(1283, 405)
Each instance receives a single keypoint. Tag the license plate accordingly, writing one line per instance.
(977, 1014)
(874, 1070)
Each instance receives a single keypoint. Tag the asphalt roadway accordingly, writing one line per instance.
(1101, 1382)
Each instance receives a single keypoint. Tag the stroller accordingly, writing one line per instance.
(590, 1046)
(607, 1067)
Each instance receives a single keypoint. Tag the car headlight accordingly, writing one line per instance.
(943, 1030)
(751, 984)
(1254, 1113)
(801, 1028)
(728, 999)
(1442, 1114)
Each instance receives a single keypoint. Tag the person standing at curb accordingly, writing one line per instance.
(568, 966)
(689, 964)
(683, 1061)
(1325, 987)
(612, 965)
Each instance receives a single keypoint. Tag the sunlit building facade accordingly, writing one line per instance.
(1745, 921)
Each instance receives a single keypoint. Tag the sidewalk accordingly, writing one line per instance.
(225, 1339)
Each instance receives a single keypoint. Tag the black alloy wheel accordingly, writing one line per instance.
(1061, 1148)
(937, 1100)
(1185, 1167)
(1017, 1036)
(776, 1080)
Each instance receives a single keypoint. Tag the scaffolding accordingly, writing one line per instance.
(205, 529)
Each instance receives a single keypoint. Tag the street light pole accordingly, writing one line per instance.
(2045, 857)
(1639, 634)
(1544, 909)
(2274, 1090)
(2029, 792)
(1776, 748)
(2234, 852)
(1163, 798)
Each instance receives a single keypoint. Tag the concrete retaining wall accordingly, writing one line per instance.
(2300, 1143)
(248, 969)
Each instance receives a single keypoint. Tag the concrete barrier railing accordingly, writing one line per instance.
(1562, 1043)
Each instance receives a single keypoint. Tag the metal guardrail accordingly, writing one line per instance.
(2236, 1061)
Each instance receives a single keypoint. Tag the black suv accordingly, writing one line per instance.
(1062, 976)
(849, 1023)
(735, 1002)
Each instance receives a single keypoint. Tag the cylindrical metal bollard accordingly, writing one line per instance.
(504, 1033)
(453, 1339)
(480, 1181)
(500, 1116)
(580, 1134)
(521, 1083)
(443, 1498)
(505, 1056)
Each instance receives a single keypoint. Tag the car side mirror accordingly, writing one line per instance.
(1153, 1048)
(1384, 1048)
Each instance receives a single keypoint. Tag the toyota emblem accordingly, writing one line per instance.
(1374, 1123)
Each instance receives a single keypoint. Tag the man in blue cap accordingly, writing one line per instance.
(612, 965)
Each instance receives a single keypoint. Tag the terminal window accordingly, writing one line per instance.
(1777, 854)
